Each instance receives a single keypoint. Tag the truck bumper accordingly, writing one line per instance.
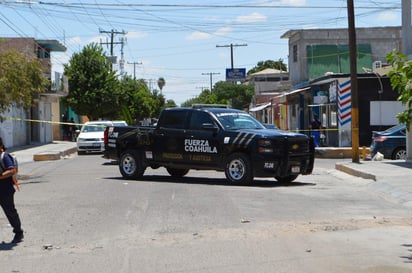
(279, 167)
(269, 165)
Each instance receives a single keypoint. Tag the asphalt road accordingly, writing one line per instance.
(81, 216)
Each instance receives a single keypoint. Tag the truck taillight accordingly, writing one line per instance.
(106, 136)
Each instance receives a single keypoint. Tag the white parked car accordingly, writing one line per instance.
(91, 136)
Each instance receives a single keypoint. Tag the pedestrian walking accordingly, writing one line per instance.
(7, 191)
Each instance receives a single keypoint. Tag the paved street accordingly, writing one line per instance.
(80, 216)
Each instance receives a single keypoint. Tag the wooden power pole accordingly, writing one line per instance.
(354, 82)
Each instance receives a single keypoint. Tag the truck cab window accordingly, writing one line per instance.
(199, 118)
(175, 119)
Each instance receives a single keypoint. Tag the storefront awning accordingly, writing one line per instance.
(260, 107)
(296, 91)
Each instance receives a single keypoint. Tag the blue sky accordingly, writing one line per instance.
(177, 39)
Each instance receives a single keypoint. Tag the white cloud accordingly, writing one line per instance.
(387, 17)
(293, 2)
(97, 39)
(281, 2)
(223, 31)
(74, 41)
(198, 35)
(251, 18)
(136, 34)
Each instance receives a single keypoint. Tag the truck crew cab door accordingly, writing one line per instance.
(201, 145)
(169, 136)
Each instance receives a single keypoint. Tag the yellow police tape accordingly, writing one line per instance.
(81, 124)
(315, 130)
(43, 121)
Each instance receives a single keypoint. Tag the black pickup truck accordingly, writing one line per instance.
(210, 138)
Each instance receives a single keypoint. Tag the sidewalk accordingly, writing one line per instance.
(392, 178)
(51, 151)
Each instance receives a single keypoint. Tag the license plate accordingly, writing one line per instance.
(96, 145)
(295, 169)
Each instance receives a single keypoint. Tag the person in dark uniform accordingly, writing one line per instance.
(315, 127)
(7, 194)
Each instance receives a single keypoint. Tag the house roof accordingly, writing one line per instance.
(268, 72)
(52, 45)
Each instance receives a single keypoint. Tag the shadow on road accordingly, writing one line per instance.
(403, 164)
(407, 258)
(262, 183)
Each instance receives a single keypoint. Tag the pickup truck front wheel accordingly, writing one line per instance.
(131, 165)
(238, 169)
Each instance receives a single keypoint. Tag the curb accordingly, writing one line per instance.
(46, 156)
(342, 152)
(346, 169)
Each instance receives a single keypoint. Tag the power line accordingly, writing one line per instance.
(208, 6)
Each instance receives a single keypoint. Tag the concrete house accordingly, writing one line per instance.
(40, 123)
(315, 52)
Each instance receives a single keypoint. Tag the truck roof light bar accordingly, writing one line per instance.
(200, 105)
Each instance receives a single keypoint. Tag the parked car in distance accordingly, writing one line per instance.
(119, 123)
(270, 126)
(391, 142)
(91, 136)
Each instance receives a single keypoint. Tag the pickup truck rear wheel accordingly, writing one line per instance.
(238, 169)
(131, 165)
(177, 172)
(286, 179)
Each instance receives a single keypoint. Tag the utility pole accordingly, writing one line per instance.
(112, 42)
(407, 51)
(121, 63)
(134, 68)
(211, 75)
(354, 82)
(231, 51)
(406, 28)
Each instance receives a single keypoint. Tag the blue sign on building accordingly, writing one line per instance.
(235, 74)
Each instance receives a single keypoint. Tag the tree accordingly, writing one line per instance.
(262, 65)
(94, 88)
(20, 80)
(159, 103)
(136, 100)
(401, 80)
(238, 95)
(205, 97)
(170, 103)
(161, 83)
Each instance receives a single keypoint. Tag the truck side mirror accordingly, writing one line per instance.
(209, 127)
